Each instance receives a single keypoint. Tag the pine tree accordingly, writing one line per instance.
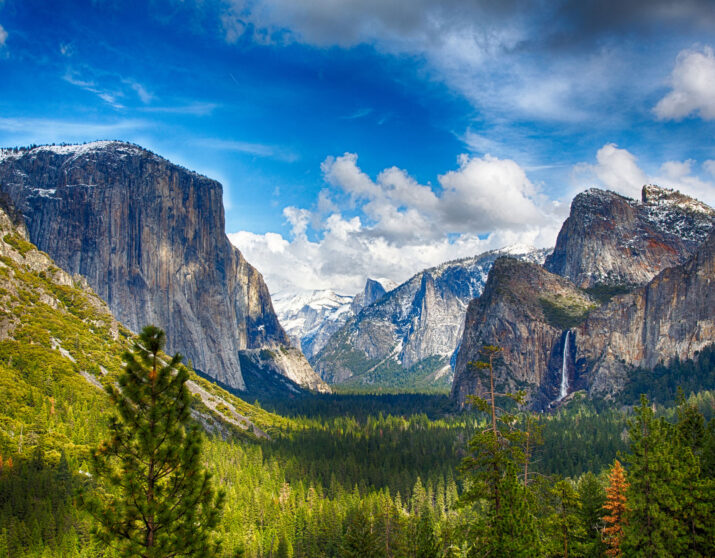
(698, 492)
(659, 475)
(564, 523)
(506, 526)
(159, 501)
(592, 497)
(359, 541)
(616, 507)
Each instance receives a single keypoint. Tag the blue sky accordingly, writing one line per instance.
(361, 138)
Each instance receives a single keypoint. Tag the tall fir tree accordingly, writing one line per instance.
(360, 540)
(615, 508)
(659, 474)
(564, 525)
(698, 491)
(592, 497)
(505, 524)
(159, 502)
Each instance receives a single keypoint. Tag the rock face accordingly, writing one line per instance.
(672, 316)
(149, 237)
(408, 337)
(612, 240)
(310, 318)
(374, 290)
(524, 309)
(552, 331)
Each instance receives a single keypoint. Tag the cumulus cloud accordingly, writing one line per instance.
(617, 169)
(401, 226)
(693, 87)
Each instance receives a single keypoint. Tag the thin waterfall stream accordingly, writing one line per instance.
(565, 369)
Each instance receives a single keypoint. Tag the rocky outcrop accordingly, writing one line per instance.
(149, 238)
(672, 316)
(612, 240)
(410, 335)
(524, 309)
(373, 291)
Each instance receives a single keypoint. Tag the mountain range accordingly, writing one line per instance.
(628, 285)
(407, 338)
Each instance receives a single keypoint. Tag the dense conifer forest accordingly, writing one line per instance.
(341, 477)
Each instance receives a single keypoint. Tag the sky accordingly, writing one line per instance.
(374, 138)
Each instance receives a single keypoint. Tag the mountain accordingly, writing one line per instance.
(407, 338)
(310, 318)
(524, 309)
(673, 316)
(149, 238)
(374, 290)
(60, 346)
(558, 337)
(610, 240)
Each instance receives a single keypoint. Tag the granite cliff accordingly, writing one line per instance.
(672, 316)
(612, 240)
(310, 318)
(149, 238)
(524, 309)
(635, 291)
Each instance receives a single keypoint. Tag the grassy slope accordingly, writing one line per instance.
(59, 345)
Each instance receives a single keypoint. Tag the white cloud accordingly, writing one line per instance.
(489, 193)
(693, 87)
(617, 169)
(402, 226)
(3, 36)
(709, 166)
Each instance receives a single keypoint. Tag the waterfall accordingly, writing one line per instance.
(565, 369)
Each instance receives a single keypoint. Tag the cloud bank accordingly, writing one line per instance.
(392, 226)
(540, 60)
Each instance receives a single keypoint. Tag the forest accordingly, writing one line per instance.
(399, 475)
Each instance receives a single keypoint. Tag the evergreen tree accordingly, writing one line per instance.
(615, 507)
(159, 501)
(426, 544)
(506, 525)
(698, 492)
(359, 540)
(658, 494)
(566, 529)
(592, 497)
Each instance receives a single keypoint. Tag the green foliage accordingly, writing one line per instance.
(591, 497)
(670, 506)
(160, 502)
(564, 312)
(661, 384)
(505, 526)
(603, 293)
(19, 243)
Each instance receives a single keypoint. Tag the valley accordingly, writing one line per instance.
(340, 425)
